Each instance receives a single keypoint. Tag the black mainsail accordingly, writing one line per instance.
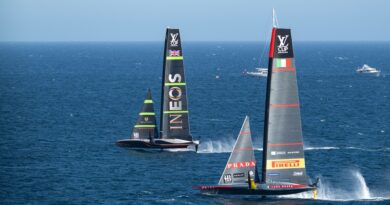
(242, 159)
(174, 104)
(283, 156)
(146, 126)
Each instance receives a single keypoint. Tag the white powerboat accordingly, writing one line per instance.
(367, 69)
(261, 72)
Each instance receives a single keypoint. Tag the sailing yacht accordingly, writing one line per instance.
(283, 169)
(174, 115)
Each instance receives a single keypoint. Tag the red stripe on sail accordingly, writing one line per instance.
(285, 144)
(243, 149)
(283, 69)
(245, 133)
(272, 45)
(285, 105)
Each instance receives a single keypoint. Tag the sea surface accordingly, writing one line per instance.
(63, 106)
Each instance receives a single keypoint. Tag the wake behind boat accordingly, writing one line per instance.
(174, 126)
(283, 167)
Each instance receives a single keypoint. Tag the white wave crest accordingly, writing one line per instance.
(320, 148)
(218, 146)
(327, 192)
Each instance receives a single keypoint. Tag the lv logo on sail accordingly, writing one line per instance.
(174, 41)
(283, 47)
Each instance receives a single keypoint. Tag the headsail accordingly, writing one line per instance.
(283, 156)
(174, 104)
(146, 127)
(241, 160)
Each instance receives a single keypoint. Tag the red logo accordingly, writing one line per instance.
(241, 164)
(285, 186)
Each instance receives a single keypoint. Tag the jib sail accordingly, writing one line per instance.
(283, 156)
(174, 104)
(242, 159)
(146, 127)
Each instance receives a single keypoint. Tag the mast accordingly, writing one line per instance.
(283, 155)
(163, 84)
(174, 103)
(275, 23)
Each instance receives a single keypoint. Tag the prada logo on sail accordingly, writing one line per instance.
(286, 163)
(282, 47)
(174, 41)
(241, 164)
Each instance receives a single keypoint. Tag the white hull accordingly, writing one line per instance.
(365, 69)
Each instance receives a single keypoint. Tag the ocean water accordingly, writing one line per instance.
(63, 106)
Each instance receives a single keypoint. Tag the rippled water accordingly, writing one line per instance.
(63, 105)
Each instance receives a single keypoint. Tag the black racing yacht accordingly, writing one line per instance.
(174, 116)
(283, 164)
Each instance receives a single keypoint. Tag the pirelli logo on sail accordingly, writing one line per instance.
(286, 163)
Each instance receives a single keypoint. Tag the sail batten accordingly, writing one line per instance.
(174, 103)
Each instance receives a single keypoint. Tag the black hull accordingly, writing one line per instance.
(230, 190)
(140, 144)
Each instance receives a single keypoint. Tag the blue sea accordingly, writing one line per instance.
(64, 105)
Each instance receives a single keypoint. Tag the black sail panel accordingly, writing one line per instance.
(241, 160)
(283, 156)
(146, 126)
(174, 105)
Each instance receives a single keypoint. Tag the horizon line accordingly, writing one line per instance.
(194, 41)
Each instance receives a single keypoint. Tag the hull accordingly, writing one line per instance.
(232, 190)
(256, 74)
(157, 144)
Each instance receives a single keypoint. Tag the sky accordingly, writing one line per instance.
(198, 20)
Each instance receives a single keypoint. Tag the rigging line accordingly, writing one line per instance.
(265, 46)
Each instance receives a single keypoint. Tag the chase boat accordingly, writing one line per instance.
(367, 69)
(260, 72)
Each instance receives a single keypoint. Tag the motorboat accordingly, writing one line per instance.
(367, 69)
(261, 72)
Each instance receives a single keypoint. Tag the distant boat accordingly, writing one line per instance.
(367, 69)
(260, 72)
(283, 166)
(174, 120)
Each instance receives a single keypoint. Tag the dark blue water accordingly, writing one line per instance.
(63, 106)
